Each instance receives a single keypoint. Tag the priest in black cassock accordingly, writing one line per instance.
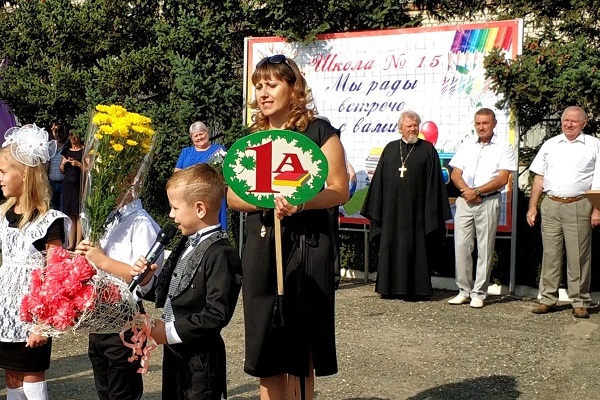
(407, 205)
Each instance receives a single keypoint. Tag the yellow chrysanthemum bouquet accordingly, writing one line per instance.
(118, 149)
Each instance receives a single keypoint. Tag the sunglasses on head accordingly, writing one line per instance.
(275, 60)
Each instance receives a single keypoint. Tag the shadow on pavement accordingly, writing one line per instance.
(241, 389)
(365, 398)
(500, 299)
(351, 284)
(496, 387)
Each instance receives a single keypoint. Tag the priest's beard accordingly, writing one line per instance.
(411, 139)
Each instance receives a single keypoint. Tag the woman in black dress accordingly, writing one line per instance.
(287, 356)
(71, 167)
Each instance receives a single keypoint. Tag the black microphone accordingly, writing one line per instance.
(162, 240)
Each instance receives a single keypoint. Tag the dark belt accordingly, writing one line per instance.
(565, 199)
(485, 196)
(51, 181)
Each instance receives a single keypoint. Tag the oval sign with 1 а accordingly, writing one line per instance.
(275, 162)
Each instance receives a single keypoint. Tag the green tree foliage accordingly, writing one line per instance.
(51, 51)
(327, 16)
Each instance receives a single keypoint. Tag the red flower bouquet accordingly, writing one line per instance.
(70, 293)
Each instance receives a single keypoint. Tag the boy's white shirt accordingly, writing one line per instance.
(131, 236)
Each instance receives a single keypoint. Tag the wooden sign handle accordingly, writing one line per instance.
(278, 256)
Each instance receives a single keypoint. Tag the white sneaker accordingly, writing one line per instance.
(460, 299)
(476, 303)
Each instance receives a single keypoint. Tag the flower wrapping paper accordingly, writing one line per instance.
(68, 293)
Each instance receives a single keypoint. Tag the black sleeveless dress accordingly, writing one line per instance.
(308, 304)
(72, 183)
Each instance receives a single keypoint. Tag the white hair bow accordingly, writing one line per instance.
(29, 144)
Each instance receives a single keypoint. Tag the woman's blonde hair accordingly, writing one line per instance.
(302, 109)
(200, 182)
(35, 198)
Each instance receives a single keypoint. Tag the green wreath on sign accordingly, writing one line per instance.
(265, 164)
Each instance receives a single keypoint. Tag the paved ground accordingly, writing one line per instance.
(392, 349)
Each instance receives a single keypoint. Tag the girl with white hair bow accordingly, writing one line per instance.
(27, 227)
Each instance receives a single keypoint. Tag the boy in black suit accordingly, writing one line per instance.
(198, 288)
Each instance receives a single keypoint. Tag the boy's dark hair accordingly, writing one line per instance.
(200, 182)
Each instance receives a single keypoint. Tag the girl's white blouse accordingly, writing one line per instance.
(19, 258)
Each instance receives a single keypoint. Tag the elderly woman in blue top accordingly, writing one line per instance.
(199, 153)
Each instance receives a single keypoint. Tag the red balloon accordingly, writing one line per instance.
(430, 130)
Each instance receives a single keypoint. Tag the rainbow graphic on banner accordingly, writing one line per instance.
(466, 54)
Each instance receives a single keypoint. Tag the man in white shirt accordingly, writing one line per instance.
(565, 167)
(480, 170)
